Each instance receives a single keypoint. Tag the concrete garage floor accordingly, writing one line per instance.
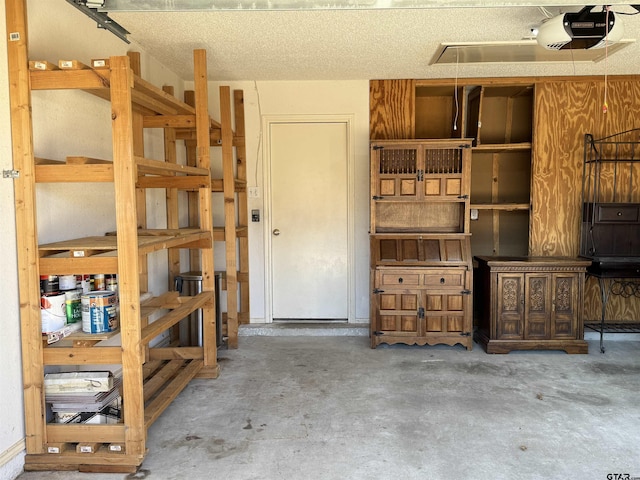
(329, 407)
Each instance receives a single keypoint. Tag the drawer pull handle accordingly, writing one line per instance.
(619, 214)
(400, 280)
(442, 280)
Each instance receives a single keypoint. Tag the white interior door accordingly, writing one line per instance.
(309, 220)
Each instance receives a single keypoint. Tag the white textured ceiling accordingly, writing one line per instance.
(346, 44)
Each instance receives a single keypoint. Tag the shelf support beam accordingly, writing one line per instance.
(125, 176)
(28, 275)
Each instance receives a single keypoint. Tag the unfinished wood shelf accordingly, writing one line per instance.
(152, 377)
(233, 187)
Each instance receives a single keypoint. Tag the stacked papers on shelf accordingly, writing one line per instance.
(78, 382)
(84, 402)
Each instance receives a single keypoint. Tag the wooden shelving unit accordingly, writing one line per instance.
(233, 187)
(151, 377)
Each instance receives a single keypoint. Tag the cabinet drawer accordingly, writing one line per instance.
(448, 278)
(400, 278)
(422, 278)
(618, 213)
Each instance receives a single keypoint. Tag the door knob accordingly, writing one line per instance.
(276, 232)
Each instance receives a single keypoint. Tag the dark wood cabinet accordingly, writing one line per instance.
(530, 303)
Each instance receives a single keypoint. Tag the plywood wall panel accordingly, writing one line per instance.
(392, 107)
(564, 113)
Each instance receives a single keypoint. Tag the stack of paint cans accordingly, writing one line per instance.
(69, 299)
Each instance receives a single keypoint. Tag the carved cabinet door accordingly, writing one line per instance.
(538, 306)
(510, 306)
(564, 317)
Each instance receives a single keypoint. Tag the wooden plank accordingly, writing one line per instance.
(149, 367)
(102, 468)
(82, 356)
(505, 147)
(148, 244)
(79, 160)
(147, 94)
(495, 175)
(157, 167)
(157, 327)
(26, 231)
(78, 432)
(70, 266)
(228, 176)
(160, 378)
(71, 65)
(141, 195)
(172, 204)
(192, 197)
(508, 207)
(176, 353)
(88, 80)
(168, 395)
(205, 212)
(170, 121)
(243, 207)
(100, 63)
(74, 173)
(128, 260)
(42, 65)
(175, 183)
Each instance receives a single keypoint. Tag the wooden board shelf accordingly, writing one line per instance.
(98, 82)
(509, 207)
(502, 147)
(148, 241)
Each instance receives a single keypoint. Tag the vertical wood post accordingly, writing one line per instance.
(203, 160)
(228, 176)
(26, 231)
(125, 176)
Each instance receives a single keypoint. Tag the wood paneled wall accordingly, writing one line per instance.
(565, 110)
(392, 109)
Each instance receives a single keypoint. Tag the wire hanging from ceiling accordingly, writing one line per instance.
(455, 91)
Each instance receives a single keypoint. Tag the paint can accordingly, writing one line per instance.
(99, 312)
(85, 283)
(67, 282)
(73, 305)
(99, 282)
(53, 312)
(49, 284)
(111, 282)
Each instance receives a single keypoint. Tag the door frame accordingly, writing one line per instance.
(348, 120)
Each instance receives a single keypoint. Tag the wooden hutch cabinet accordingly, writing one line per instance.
(527, 303)
(421, 272)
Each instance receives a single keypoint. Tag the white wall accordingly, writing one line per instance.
(301, 98)
(65, 123)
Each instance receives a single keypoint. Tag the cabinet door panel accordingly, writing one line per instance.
(398, 313)
(565, 302)
(538, 307)
(510, 306)
(445, 324)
